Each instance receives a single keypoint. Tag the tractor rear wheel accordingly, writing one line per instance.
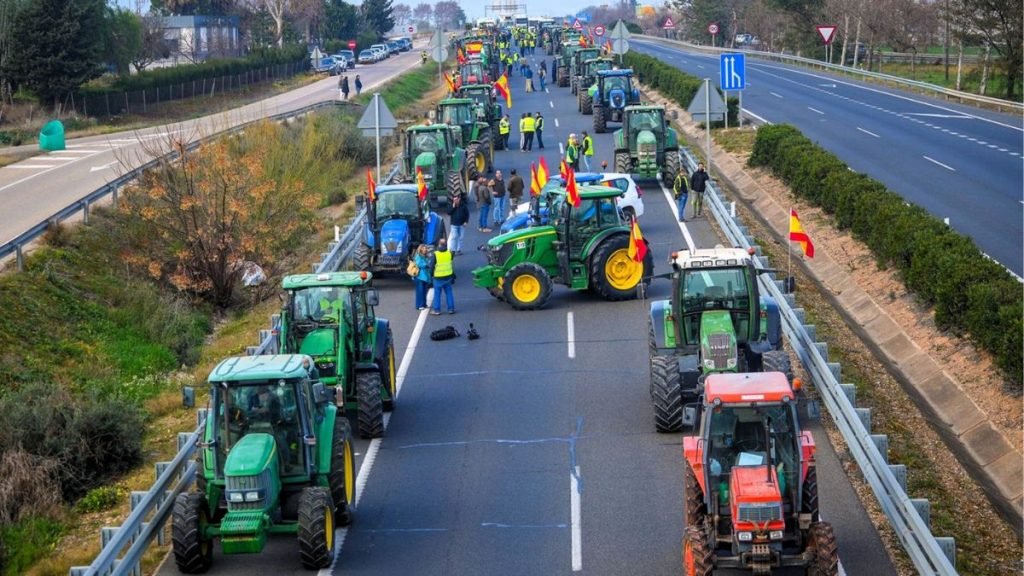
(809, 498)
(453, 181)
(563, 76)
(825, 553)
(600, 119)
(361, 258)
(370, 406)
(613, 274)
(586, 103)
(697, 559)
(342, 477)
(695, 509)
(316, 528)
(673, 165)
(777, 361)
(667, 396)
(192, 553)
(387, 373)
(527, 286)
(476, 161)
(622, 163)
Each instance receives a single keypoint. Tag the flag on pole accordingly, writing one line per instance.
(637, 245)
(534, 181)
(502, 87)
(583, 41)
(461, 56)
(371, 186)
(421, 185)
(451, 83)
(542, 172)
(608, 46)
(563, 170)
(571, 190)
(797, 234)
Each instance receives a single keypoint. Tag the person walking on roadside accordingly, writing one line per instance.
(359, 85)
(504, 127)
(515, 191)
(538, 129)
(541, 75)
(497, 185)
(459, 215)
(572, 153)
(443, 276)
(528, 74)
(424, 277)
(483, 201)
(343, 87)
(529, 126)
(680, 189)
(698, 184)
(587, 150)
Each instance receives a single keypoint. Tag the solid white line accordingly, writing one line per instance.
(552, 104)
(815, 110)
(77, 151)
(48, 158)
(776, 95)
(950, 168)
(561, 149)
(577, 533)
(32, 166)
(866, 132)
(675, 213)
(570, 334)
(760, 119)
(556, 122)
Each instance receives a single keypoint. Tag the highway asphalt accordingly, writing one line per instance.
(956, 161)
(532, 450)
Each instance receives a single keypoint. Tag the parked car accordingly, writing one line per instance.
(861, 50)
(383, 48)
(342, 60)
(367, 56)
(327, 65)
(393, 48)
(381, 53)
(405, 43)
(350, 57)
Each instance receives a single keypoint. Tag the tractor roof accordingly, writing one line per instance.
(411, 188)
(644, 107)
(747, 388)
(475, 88)
(718, 256)
(429, 128)
(621, 72)
(350, 279)
(266, 367)
(592, 191)
(456, 101)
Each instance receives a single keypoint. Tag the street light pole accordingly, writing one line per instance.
(945, 40)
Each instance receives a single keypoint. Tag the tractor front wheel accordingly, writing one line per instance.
(527, 286)
(825, 553)
(777, 361)
(454, 183)
(622, 163)
(667, 395)
(673, 165)
(371, 408)
(563, 76)
(697, 559)
(387, 373)
(192, 553)
(614, 275)
(586, 103)
(695, 509)
(361, 258)
(809, 496)
(316, 528)
(342, 477)
(600, 119)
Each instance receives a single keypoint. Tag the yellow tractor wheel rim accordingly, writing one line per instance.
(329, 529)
(526, 288)
(350, 474)
(392, 384)
(481, 162)
(621, 271)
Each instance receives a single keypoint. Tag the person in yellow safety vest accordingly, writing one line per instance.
(503, 129)
(588, 149)
(444, 274)
(522, 132)
(572, 153)
(529, 126)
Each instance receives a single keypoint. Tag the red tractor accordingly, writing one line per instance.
(750, 482)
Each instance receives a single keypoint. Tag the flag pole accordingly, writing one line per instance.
(789, 251)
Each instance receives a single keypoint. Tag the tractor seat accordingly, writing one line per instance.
(715, 293)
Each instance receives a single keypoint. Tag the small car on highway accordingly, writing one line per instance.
(367, 56)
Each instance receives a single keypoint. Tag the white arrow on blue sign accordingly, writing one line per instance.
(732, 71)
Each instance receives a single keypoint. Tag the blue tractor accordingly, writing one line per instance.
(610, 93)
(396, 224)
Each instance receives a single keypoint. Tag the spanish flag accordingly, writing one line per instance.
(797, 234)
(460, 56)
(371, 186)
(607, 46)
(542, 172)
(502, 87)
(637, 245)
(571, 190)
(421, 185)
(583, 41)
(563, 170)
(534, 181)
(451, 83)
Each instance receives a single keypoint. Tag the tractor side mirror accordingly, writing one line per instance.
(188, 397)
(690, 415)
(320, 393)
(372, 297)
(360, 200)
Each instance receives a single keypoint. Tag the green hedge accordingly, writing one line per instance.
(970, 293)
(159, 77)
(673, 83)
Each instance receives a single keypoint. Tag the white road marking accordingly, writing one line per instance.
(77, 151)
(32, 166)
(104, 166)
(950, 168)
(570, 330)
(866, 132)
(552, 104)
(556, 122)
(561, 149)
(776, 95)
(815, 110)
(675, 212)
(574, 510)
(49, 157)
(827, 85)
(958, 116)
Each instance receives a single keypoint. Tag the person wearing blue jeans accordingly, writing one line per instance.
(423, 279)
(444, 273)
(498, 198)
(483, 202)
(680, 190)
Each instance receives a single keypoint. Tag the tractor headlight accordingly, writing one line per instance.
(745, 536)
(252, 496)
(236, 497)
(731, 363)
(775, 534)
(709, 364)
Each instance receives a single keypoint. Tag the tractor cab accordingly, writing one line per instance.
(398, 223)
(639, 119)
(474, 73)
(579, 227)
(591, 67)
(483, 95)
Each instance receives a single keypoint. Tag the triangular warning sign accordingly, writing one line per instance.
(577, 24)
(826, 32)
(668, 23)
(700, 104)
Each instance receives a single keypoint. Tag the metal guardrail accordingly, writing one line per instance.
(998, 103)
(908, 517)
(16, 246)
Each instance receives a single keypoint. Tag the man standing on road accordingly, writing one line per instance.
(483, 201)
(359, 85)
(343, 86)
(498, 195)
(538, 129)
(459, 213)
(588, 149)
(698, 183)
(522, 132)
(515, 191)
(529, 126)
(572, 153)
(503, 129)
(443, 276)
(680, 191)
(542, 74)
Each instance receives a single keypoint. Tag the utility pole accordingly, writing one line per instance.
(945, 40)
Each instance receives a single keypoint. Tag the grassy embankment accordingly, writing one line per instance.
(90, 335)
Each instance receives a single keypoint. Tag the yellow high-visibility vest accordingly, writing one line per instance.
(443, 265)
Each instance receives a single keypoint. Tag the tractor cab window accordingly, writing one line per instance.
(428, 142)
(456, 115)
(753, 436)
(647, 120)
(397, 204)
(597, 213)
(320, 304)
(268, 407)
(714, 289)
(613, 82)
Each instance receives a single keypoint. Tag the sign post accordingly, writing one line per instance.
(713, 30)
(827, 33)
(439, 53)
(620, 39)
(668, 25)
(732, 75)
(377, 121)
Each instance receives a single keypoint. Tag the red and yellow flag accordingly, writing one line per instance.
(563, 170)
(502, 87)
(534, 181)
(797, 234)
(451, 83)
(371, 186)
(460, 56)
(608, 46)
(637, 245)
(583, 41)
(571, 190)
(421, 185)
(542, 173)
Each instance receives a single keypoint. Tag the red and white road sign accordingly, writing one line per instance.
(351, 44)
(577, 25)
(669, 24)
(411, 29)
(598, 30)
(713, 28)
(827, 32)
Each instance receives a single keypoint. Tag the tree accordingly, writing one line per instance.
(8, 10)
(449, 14)
(341, 20)
(998, 22)
(123, 42)
(56, 46)
(402, 14)
(378, 16)
(423, 13)
(191, 7)
(153, 47)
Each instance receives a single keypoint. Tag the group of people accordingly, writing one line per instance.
(577, 148)
(344, 89)
(681, 187)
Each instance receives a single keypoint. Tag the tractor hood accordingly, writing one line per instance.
(755, 495)
(251, 455)
(394, 237)
(516, 235)
(717, 342)
(426, 160)
(646, 137)
(617, 98)
(319, 342)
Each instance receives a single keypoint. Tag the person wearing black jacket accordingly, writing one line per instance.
(698, 183)
(459, 214)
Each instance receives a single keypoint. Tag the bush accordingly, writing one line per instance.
(99, 499)
(22, 544)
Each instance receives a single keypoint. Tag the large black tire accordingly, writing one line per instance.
(825, 553)
(694, 498)
(574, 84)
(361, 258)
(613, 274)
(473, 151)
(454, 183)
(487, 145)
(622, 162)
(563, 76)
(600, 119)
(673, 165)
(192, 554)
(697, 560)
(809, 496)
(316, 528)
(388, 375)
(342, 477)
(586, 103)
(527, 286)
(497, 293)
(666, 394)
(371, 407)
(777, 361)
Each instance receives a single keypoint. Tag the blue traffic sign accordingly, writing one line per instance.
(732, 71)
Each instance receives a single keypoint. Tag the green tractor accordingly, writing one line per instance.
(610, 93)
(275, 458)
(716, 320)
(474, 135)
(585, 247)
(584, 102)
(646, 144)
(565, 62)
(331, 318)
(484, 96)
(576, 66)
(434, 149)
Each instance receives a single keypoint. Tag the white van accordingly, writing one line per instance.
(382, 47)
